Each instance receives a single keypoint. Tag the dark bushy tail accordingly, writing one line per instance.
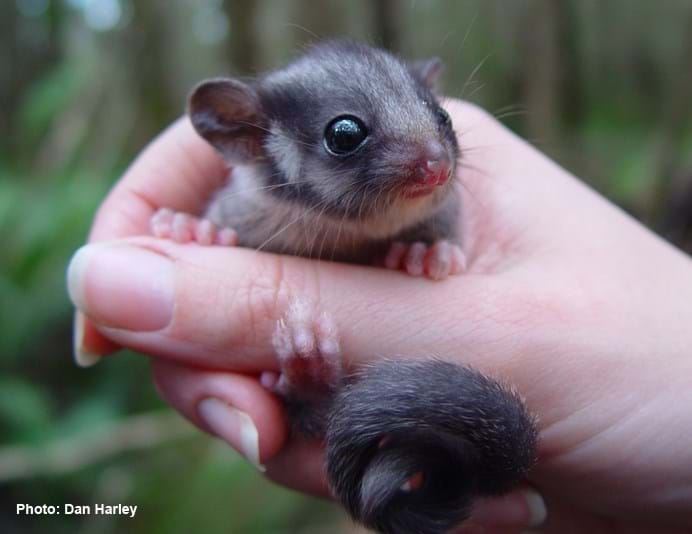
(410, 444)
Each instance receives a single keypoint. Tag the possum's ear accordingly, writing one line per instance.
(227, 113)
(428, 71)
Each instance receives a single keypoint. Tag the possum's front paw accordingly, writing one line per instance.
(184, 228)
(436, 261)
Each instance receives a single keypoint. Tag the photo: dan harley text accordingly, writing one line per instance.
(77, 509)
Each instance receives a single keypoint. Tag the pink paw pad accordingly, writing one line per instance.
(307, 345)
(184, 228)
(436, 261)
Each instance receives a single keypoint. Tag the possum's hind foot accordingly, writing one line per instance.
(307, 347)
(183, 228)
(436, 261)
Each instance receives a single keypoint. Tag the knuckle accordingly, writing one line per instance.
(265, 292)
(260, 292)
(234, 309)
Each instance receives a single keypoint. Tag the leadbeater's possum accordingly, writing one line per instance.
(346, 154)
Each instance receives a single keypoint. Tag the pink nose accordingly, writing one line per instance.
(433, 167)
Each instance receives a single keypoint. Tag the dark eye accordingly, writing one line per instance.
(443, 117)
(344, 134)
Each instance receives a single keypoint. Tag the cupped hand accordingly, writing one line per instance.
(568, 299)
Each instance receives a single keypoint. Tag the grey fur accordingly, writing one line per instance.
(469, 435)
(346, 207)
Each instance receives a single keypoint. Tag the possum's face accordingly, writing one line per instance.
(354, 131)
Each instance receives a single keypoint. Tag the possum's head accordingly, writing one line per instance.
(356, 132)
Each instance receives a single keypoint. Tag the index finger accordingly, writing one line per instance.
(178, 170)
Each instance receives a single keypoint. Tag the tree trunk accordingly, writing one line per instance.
(387, 23)
(668, 151)
(541, 72)
(243, 42)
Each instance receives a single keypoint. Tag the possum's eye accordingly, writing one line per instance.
(344, 135)
(443, 117)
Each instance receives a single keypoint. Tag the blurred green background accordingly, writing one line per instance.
(605, 88)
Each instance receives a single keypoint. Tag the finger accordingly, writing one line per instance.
(89, 345)
(520, 509)
(262, 440)
(180, 170)
(300, 466)
(233, 407)
(177, 170)
(411, 300)
(251, 420)
(564, 518)
(199, 305)
(485, 529)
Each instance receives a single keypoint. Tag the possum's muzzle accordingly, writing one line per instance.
(457, 433)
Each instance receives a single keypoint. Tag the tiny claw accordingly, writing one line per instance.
(184, 228)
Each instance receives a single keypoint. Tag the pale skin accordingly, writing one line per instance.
(578, 306)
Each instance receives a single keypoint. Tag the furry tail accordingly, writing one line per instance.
(411, 444)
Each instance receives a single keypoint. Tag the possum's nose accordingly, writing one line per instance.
(433, 165)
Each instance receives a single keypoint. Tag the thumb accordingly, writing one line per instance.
(199, 305)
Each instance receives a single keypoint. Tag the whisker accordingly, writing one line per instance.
(468, 32)
(232, 194)
(338, 233)
(479, 170)
(508, 107)
(288, 225)
(515, 113)
(317, 233)
(304, 29)
(473, 73)
(273, 132)
(478, 88)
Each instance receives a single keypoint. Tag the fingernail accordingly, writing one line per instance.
(538, 512)
(233, 426)
(122, 286)
(524, 508)
(82, 357)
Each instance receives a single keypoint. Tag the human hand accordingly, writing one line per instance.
(580, 308)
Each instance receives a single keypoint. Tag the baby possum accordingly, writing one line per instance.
(346, 154)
